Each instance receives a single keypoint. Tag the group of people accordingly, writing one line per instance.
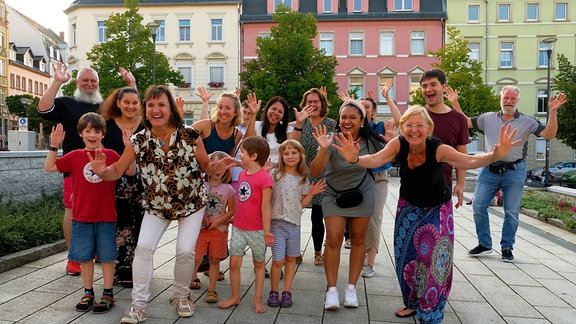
(154, 169)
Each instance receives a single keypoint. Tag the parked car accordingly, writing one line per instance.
(537, 174)
(569, 179)
(556, 172)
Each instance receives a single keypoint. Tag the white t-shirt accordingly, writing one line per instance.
(272, 141)
(286, 198)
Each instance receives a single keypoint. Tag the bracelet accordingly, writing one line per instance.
(53, 149)
(357, 159)
(298, 129)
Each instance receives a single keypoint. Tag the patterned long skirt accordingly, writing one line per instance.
(424, 255)
(129, 195)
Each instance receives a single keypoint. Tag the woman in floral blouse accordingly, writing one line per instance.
(171, 158)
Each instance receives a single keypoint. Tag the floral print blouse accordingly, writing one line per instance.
(172, 181)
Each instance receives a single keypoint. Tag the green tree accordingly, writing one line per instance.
(564, 81)
(288, 64)
(130, 46)
(464, 75)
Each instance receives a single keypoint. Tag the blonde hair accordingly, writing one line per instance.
(300, 168)
(237, 108)
(414, 110)
(217, 156)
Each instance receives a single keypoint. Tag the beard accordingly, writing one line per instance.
(507, 110)
(93, 98)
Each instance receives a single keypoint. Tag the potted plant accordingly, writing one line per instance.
(216, 84)
(184, 85)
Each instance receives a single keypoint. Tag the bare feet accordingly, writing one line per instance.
(259, 307)
(403, 312)
(229, 303)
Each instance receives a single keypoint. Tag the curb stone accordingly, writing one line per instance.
(15, 260)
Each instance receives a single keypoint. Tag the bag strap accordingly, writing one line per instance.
(357, 187)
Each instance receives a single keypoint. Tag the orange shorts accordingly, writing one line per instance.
(67, 192)
(213, 242)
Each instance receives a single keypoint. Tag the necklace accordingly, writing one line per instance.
(133, 124)
(162, 142)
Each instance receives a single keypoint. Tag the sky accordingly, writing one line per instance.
(48, 13)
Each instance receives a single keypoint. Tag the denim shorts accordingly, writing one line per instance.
(93, 239)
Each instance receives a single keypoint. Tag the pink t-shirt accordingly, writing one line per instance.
(93, 199)
(217, 203)
(248, 215)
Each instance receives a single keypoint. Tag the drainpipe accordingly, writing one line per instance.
(240, 46)
(486, 48)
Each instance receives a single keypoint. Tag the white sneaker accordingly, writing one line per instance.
(332, 301)
(368, 271)
(134, 315)
(184, 306)
(350, 298)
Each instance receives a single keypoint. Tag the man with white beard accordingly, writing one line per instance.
(67, 111)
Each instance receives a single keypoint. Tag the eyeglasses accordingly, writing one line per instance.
(312, 102)
(417, 126)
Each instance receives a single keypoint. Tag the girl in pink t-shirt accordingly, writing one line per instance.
(213, 237)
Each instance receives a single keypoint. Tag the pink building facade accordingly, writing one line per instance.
(373, 40)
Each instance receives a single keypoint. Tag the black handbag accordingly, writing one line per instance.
(350, 197)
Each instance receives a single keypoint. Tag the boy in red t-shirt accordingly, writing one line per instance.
(93, 208)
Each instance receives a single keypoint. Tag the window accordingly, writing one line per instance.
(417, 43)
(540, 149)
(327, 5)
(532, 12)
(503, 12)
(561, 11)
(402, 5)
(30, 89)
(2, 67)
(386, 43)
(542, 101)
(186, 70)
(287, 3)
(473, 13)
(506, 55)
(356, 83)
(184, 27)
(102, 32)
(73, 35)
(357, 6)
(265, 35)
(23, 84)
(474, 51)
(542, 56)
(12, 80)
(216, 73)
(356, 43)
(161, 31)
(17, 82)
(327, 43)
(216, 26)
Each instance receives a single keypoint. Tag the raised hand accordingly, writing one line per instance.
(324, 91)
(180, 106)
(370, 95)
(253, 103)
(302, 114)
(347, 147)
(389, 130)
(322, 137)
(345, 95)
(385, 89)
(57, 135)
(450, 94)
(557, 102)
(60, 72)
(203, 94)
(98, 161)
(127, 77)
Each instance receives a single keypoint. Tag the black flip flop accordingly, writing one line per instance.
(412, 313)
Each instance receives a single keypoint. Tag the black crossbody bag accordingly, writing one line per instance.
(350, 197)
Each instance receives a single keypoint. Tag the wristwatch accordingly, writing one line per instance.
(53, 149)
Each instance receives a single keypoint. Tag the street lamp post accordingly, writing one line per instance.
(153, 26)
(547, 44)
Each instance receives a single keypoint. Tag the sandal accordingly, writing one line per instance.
(399, 312)
(86, 303)
(220, 276)
(105, 305)
(195, 284)
(211, 296)
(318, 259)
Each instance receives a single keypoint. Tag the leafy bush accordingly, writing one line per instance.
(29, 224)
(549, 206)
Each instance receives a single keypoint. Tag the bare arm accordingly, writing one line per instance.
(324, 141)
(56, 138)
(267, 215)
(115, 170)
(460, 178)
(61, 76)
(350, 152)
(254, 106)
(459, 160)
(128, 77)
(393, 108)
(552, 127)
(205, 96)
(452, 96)
(315, 188)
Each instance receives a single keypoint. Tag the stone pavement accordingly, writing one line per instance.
(539, 287)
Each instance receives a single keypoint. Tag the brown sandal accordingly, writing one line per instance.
(318, 259)
(211, 296)
(195, 284)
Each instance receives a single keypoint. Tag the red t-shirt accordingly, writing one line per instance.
(93, 199)
(248, 215)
